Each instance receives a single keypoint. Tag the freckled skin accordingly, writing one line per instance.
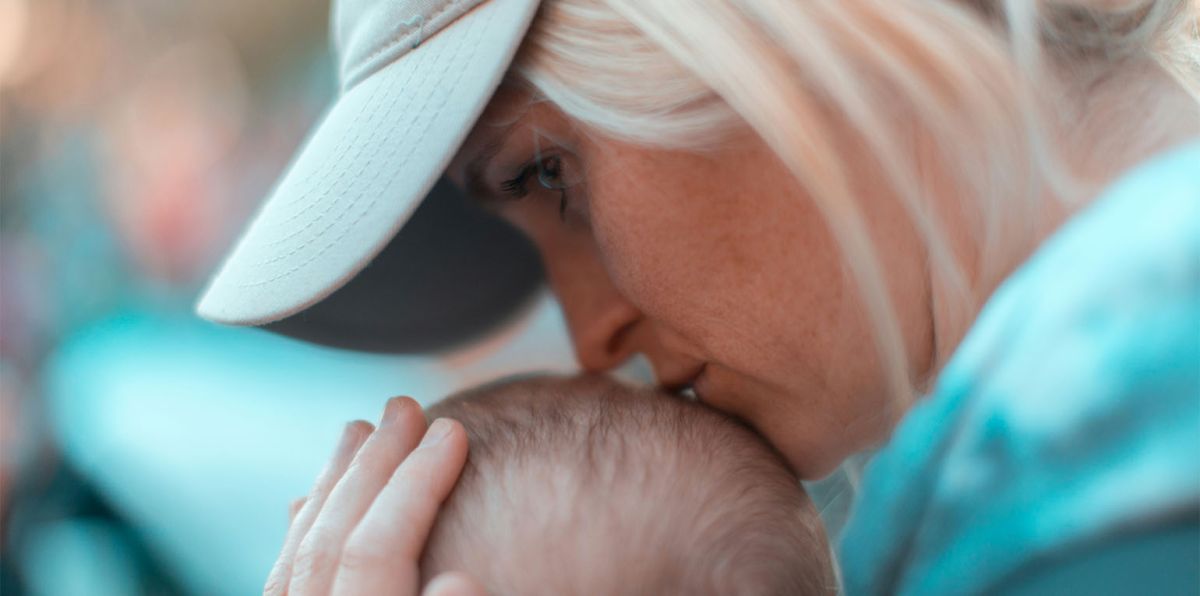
(717, 259)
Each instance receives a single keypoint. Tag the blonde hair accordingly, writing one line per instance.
(976, 78)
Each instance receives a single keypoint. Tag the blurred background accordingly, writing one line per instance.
(143, 451)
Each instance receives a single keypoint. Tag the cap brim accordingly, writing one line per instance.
(453, 272)
(361, 176)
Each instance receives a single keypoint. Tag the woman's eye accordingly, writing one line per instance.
(517, 186)
(548, 174)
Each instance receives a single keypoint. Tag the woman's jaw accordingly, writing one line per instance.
(813, 441)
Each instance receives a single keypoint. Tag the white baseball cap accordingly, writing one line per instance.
(415, 76)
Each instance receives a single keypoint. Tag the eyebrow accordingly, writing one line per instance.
(473, 175)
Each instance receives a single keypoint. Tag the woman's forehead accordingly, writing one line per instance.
(511, 111)
(510, 107)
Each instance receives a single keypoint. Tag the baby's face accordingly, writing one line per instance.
(584, 486)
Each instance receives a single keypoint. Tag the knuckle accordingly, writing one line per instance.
(276, 586)
(362, 464)
(313, 558)
(360, 554)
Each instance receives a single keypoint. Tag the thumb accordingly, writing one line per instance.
(454, 584)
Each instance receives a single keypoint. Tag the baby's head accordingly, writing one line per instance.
(584, 486)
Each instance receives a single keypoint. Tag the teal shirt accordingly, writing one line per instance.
(1068, 418)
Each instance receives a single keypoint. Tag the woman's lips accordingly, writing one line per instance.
(685, 385)
(698, 384)
(693, 389)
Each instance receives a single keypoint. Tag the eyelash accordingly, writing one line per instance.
(517, 187)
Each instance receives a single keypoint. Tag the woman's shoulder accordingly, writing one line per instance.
(1071, 410)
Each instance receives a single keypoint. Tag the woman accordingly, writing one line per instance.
(799, 211)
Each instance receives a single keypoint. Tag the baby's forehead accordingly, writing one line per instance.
(543, 390)
(584, 426)
(590, 410)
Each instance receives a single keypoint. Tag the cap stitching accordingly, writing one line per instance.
(330, 185)
(344, 143)
(356, 74)
(359, 148)
(340, 148)
(366, 209)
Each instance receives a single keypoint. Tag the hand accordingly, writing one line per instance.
(362, 528)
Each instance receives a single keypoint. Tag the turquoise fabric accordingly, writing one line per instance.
(1070, 415)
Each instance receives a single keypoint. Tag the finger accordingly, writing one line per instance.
(453, 584)
(353, 437)
(382, 554)
(294, 508)
(316, 560)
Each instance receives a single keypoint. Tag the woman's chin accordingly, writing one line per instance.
(806, 448)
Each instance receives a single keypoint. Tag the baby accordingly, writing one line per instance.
(583, 486)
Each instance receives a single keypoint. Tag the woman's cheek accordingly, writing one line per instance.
(657, 230)
(626, 262)
(652, 269)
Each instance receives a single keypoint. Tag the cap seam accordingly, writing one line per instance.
(363, 70)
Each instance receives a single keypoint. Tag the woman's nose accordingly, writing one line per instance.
(602, 333)
(601, 321)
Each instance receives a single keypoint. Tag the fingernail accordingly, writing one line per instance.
(440, 429)
(349, 438)
(392, 411)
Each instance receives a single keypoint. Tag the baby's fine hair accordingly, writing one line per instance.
(582, 485)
